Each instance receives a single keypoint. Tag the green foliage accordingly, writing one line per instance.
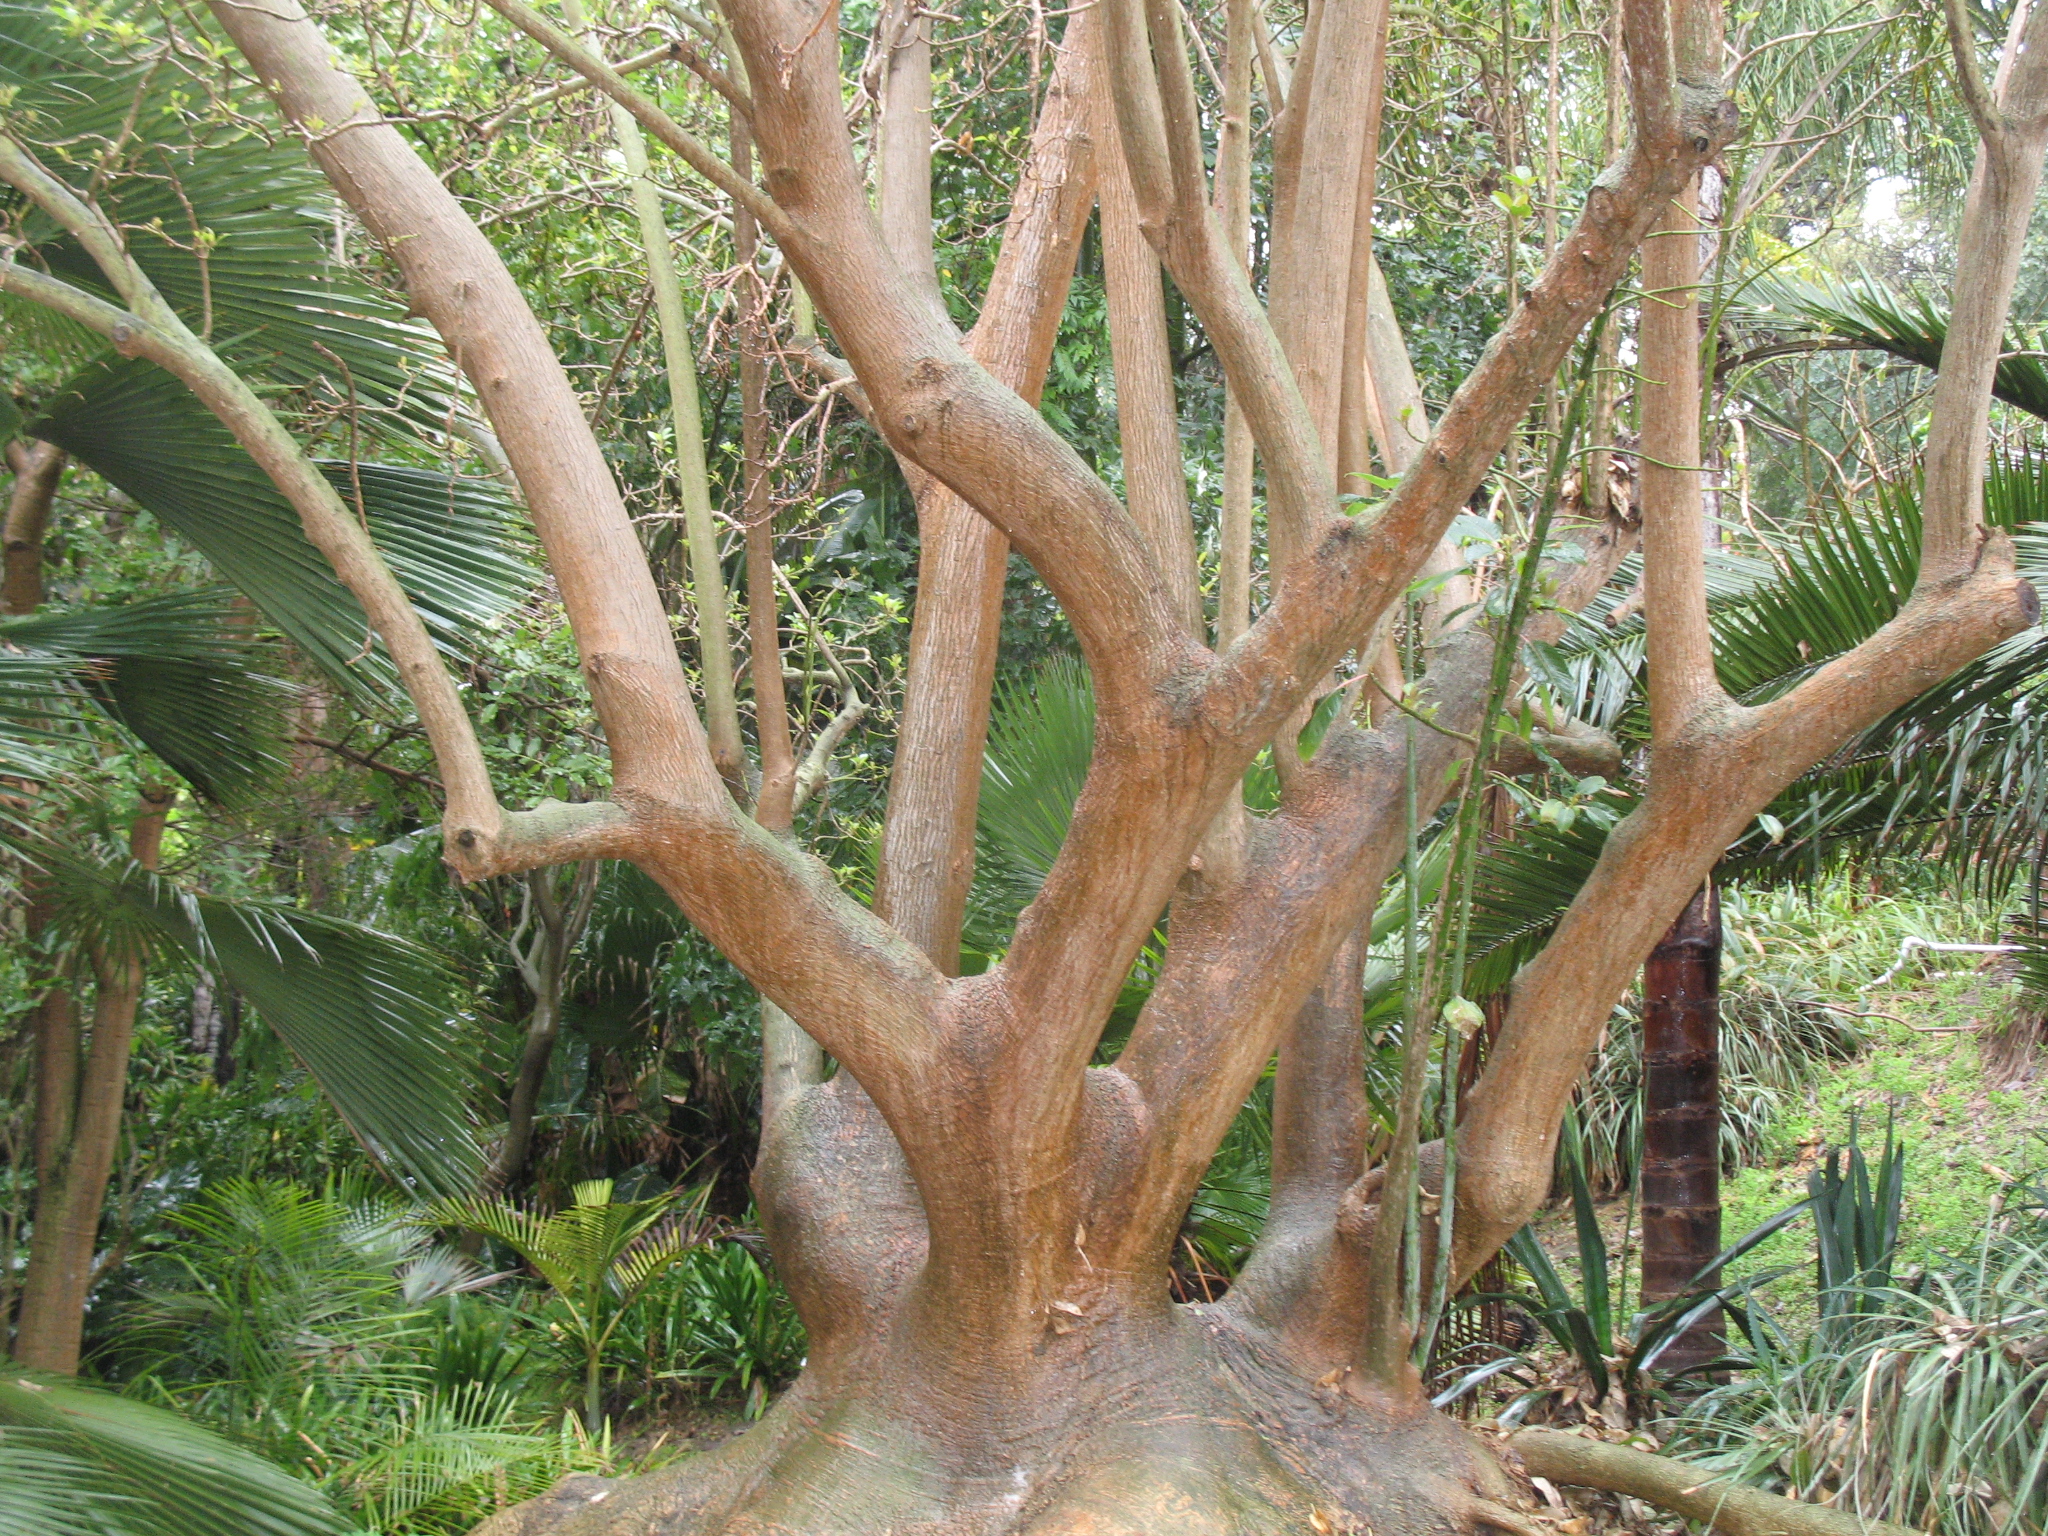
(721, 1316)
(1775, 1038)
(1928, 1413)
(1912, 324)
(178, 672)
(77, 1462)
(450, 541)
(368, 1013)
(328, 1332)
(1856, 1226)
(1610, 1359)
(596, 1257)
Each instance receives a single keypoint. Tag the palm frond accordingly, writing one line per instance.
(234, 228)
(1912, 325)
(1041, 737)
(369, 1014)
(450, 542)
(181, 672)
(73, 1460)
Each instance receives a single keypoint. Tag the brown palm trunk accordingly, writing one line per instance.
(1681, 1174)
(78, 1129)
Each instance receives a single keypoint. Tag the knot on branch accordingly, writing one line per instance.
(1708, 118)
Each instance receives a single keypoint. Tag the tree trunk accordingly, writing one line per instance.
(37, 469)
(557, 919)
(1109, 1411)
(975, 1223)
(78, 1130)
(1681, 1174)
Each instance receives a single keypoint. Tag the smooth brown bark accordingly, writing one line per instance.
(1719, 1505)
(82, 1083)
(38, 467)
(1147, 411)
(982, 1268)
(1681, 1167)
(927, 857)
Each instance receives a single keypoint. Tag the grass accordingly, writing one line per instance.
(1965, 1135)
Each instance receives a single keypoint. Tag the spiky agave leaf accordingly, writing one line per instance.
(73, 1460)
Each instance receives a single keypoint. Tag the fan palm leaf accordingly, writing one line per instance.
(179, 672)
(75, 1462)
(370, 1015)
(449, 541)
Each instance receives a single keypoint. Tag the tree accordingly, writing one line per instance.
(182, 675)
(975, 1222)
(1681, 1168)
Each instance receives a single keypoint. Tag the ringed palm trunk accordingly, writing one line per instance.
(1681, 1172)
(81, 1082)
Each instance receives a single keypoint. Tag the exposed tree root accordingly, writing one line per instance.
(1720, 1505)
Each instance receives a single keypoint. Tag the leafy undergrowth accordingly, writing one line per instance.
(1925, 1406)
(1971, 1118)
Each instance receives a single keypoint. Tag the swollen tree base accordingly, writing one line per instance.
(1175, 1419)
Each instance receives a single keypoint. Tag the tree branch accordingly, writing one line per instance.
(1722, 1506)
(456, 280)
(38, 469)
(1977, 97)
(1995, 214)
(657, 122)
(936, 407)
(151, 328)
(1328, 601)
(1681, 643)
(870, 998)
(673, 48)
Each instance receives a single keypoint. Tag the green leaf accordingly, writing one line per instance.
(1912, 325)
(181, 672)
(1592, 1246)
(450, 542)
(369, 1014)
(75, 1462)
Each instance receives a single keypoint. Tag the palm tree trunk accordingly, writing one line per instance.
(1681, 1174)
(78, 1128)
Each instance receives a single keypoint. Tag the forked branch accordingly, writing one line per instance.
(867, 996)
(1714, 765)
